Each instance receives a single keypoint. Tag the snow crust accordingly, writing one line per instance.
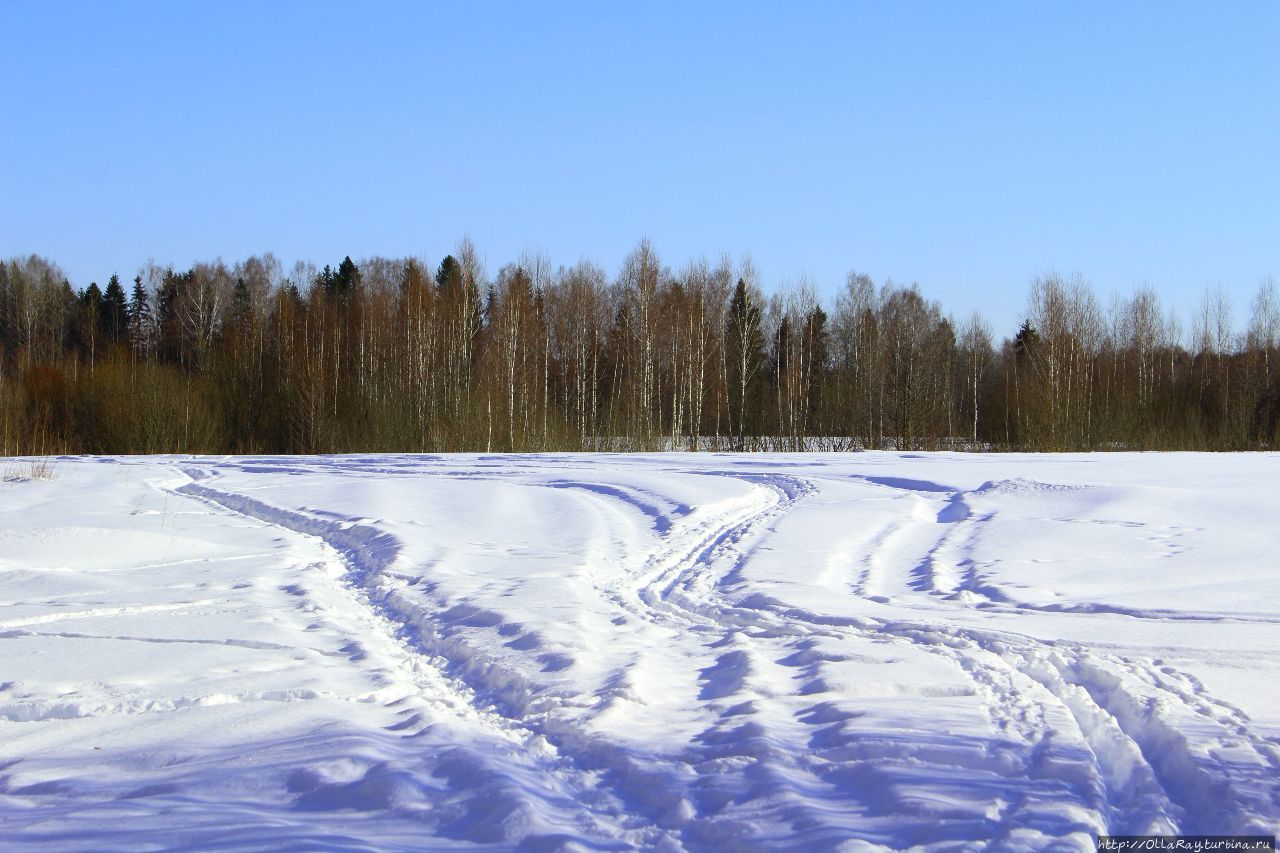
(668, 651)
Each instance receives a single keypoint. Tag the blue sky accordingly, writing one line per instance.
(966, 147)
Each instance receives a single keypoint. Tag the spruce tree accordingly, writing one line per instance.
(92, 296)
(115, 319)
(327, 280)
(347, 279)
(140, 317)
(1026, 341)
(342, 283)
(449, 275)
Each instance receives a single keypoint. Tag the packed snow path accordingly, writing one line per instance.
(619, 652)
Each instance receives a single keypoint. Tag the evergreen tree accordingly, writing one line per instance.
(327, 280)
(347, 279)
(1026, 341)
(449, 275)
(340, 284)
(92, 296)
(490, 301)
(140, 317)
(1027, 338)
(115, 319)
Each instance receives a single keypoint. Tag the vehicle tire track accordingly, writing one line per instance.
(1134, 771)
(563, 764)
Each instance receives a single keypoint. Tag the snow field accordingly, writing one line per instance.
(669, 651)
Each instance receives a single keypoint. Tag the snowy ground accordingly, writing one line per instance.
(617, 652)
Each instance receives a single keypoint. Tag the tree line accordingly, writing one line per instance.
(392, 355)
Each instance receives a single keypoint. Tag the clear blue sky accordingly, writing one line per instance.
(964, 146)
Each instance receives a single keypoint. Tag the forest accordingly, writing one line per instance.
(395, 355)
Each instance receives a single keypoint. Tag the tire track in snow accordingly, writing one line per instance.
(738, 760)
(652, 805)
(688, 585)
(1152, 781)
(445, 685)
(683, 581)
(660, 589)
(1135, 776)
(1134, 770)
(650, 784)
(1146, 762)
(685, 564)
(1138, 744)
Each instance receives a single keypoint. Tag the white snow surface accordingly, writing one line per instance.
(611, 652)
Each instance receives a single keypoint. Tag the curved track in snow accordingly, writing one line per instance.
(686, 652)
